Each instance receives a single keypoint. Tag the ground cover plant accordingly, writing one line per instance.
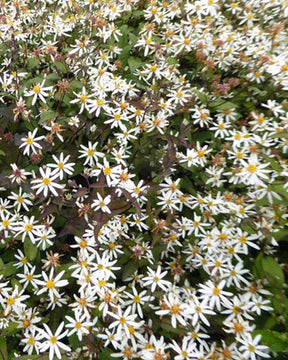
(143, 202)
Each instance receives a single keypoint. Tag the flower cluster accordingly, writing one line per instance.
(144, 178)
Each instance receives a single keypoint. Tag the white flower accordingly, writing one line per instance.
(30, 142)
(62, 166)
(186, 351)
(38, 90)
(52, 343)
(90, 153)
(101, 203)
(78, 325)
(215, 293)
(253, 171)
(31, 341)
(177, 309)
(51, 284)
(251, 349)
(81, 98)
(47, 182)
(154, 279)
(123, 321)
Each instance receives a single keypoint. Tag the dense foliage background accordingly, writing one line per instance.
(143, 152)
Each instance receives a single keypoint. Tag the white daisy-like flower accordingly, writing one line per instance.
(47, 183)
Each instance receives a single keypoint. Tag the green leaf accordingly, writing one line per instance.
(134, 63)
(3, 349)
(274, 164)
(6, 113)
(60, 67)
(32, 64)
(125, 54)
(258, 270)
(11, 329)
(170, 329)
(105, 354)
(202, 97)
(276, 341)
(30, 249)
(129, 269)
(273, 271)
(281, 235)
(281, 135)
(133, 39)
(52, 78)
(76, 84)
(8, 269)
(137, 13)
(48, 115)
(222, 105)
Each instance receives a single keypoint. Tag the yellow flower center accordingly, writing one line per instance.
(29, 140)
(90, 152)
(26, 323)
(122, 320)
(100, 102)
(175, 309)
(107, 171)
(36, 89)
(82, 302)
(83, 98)
(184, 354)
(136, 299)
(53, 340)
(216, 291)
(46, 181)
(31, 340)
(10, 301)
(101, 283)
(252, 168)
(50, 284)
(78, 325)
(83, 244)
(5, 223)
(28, 227)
